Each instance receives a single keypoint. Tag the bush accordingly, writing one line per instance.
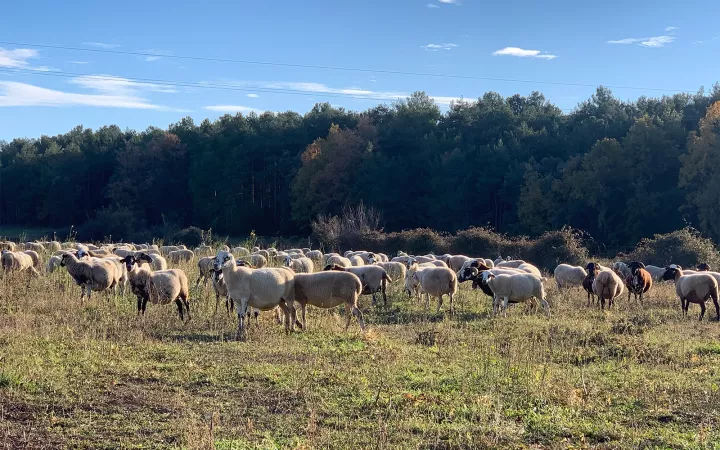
(191, 237)
(118, 224)
(685, 247)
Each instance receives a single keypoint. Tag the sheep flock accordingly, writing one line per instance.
(281, 282)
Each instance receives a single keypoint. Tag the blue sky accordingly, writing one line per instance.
(659, 44)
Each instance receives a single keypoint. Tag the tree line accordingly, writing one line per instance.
(617, 170)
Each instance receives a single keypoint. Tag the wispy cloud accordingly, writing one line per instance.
(155, 54)
(78, 62)
(18, 58)
(107, 92)
(522, 53)
(670, 28)
(450, 2)
(233, 109)
(649, 42)
(436, 47)
(432, 5)
(253, 95)
(102, 45)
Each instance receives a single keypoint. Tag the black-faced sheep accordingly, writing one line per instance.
(695, 288)
(640, 280)
(517, 288)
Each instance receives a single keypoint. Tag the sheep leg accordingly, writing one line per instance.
(717, 308)
(139, 304)
(187, 308)
(384, 286)
(352, 307)
(546, 306)
(144, 305)
(452, 306)
(178, 302)
(286, 311)
(241, 311)
(702, 310)
(197, 283)
(374, 301)
(303, 307)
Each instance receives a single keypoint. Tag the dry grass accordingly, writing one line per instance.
(95, 376)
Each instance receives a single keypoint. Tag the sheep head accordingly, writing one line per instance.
(223, 258)
(470, 273)
(129, 262)
(703, 267)
(672, 273)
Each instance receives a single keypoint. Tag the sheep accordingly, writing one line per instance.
(517, 288)
(157, 261)
(639, 281)
(92, 274)
(17, 262)
(264, 253)
(9, 246)
(338, 261)
(395, 270)
(474, 274)
(455, 262)
(437, 281)
(373, 278)
(103, 253)
(368, 258)
(166, 249)
(328, 290)
(315, 255)
(426, 258)
(356, 261)
(401, 259)
(300, 265)
(205, 269)
(263, 289)
(139, 274)
(529, 268)
(569, 276)
(255, 249)
(52, 264)
(37, 260)
(513, 263)
(220, 288)
(703, 267)
(204, 250)
(165, 286)
(622, 270)
(54, 246)
(695, 288)
(120, 273)
(258, 261)
(34, 246)
(122, 251)
(607, 285)
(656, 272)
(240, 251)
(182, 255)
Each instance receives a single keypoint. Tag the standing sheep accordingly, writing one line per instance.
(37, 260)
(516, 288)
(607, 285)
(17, 262)
(205, 270)
(569, 276)
(300, 265)
(90, 275)
(695, 288)
(373, 278)
(640, 280)
(437, 281)
(328, 290)
(182, 255)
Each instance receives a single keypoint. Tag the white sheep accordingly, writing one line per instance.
(656, 272)
(300, 265)
(263, 289)
(10, 246)
(37, 260)
(436, 282)
(315, 255)
(529, 268)
(517, 288)
(204, 250)
(182, 255)
(258, 261)
(328, 290)
(240, 251)
(356, 261)
(513, 263)
(374, 279)
(166, 249)
(395, 270)
(455, 262)
(90, 274)
(338, 261)
(695, 288)
(139, 274)
(158, 262)
(165, 286)
(569, 276)
(52, 264)
(607, 285)
(17, 262)
(205, 269)
(35, 246)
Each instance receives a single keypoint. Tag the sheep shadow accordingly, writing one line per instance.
(394, 315)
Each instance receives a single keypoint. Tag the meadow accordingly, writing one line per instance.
(95, 376)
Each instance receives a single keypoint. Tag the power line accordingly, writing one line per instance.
(171, 83)
(335, 68)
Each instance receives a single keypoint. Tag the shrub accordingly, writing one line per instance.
(191, 237)
(685, 247)
(120, 224)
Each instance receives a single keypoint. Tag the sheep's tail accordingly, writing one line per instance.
(387, 278)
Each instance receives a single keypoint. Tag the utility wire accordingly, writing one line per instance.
(335, 68)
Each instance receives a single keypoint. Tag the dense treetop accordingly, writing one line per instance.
(618, 170)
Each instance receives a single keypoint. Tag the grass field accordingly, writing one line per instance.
(94, 376)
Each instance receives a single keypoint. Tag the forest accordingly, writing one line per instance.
(617, 170)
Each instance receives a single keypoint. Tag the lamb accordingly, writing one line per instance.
(264, 289)
(300, 265)
(95, 274)
(695, 288)
(338, 261)
(17, 262)
(205, 269)
(182, 255)
(52, 264)
(607, 285)
(569, 276)
(37, 260)
(640, 280)
(373, 278)
(437, 281)
(328, 290)
(517, 288)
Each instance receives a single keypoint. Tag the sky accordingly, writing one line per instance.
(138, 64)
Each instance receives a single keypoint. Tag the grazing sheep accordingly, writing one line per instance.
(328, 290)
(166, 249)
(165, 286)
(437, 281)
(9, 246)
(315, 255)
(53, 246)
(264, 253)
(373, 278)
(204, 250)
(513, 263)
(17, 262)
(37, 260)
(91, 274)
(120, 251)
(182, 255)
(655, 272)
(338, 261)
(52, 264)
(395, 270)
(205, 269)
(34, 246)
(607, 285)
(640, 280)
(356, 261)
(455, 262)
(263, 289)
(529, 268)
(300, 265)
(258, 261)
(569, 276)
(240, 251)
(695, 288)
(401, 259)
(517, 288)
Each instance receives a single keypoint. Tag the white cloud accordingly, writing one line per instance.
(432, 5)
(109, 92)
(233, 109)
(101, 45)
(152, 58)
(253, 95)
(18, 58)
(671, 28)
(650, 42)
(155, 54)
(522, 53)
(453, 2)
(436, 47)
(78, 62)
